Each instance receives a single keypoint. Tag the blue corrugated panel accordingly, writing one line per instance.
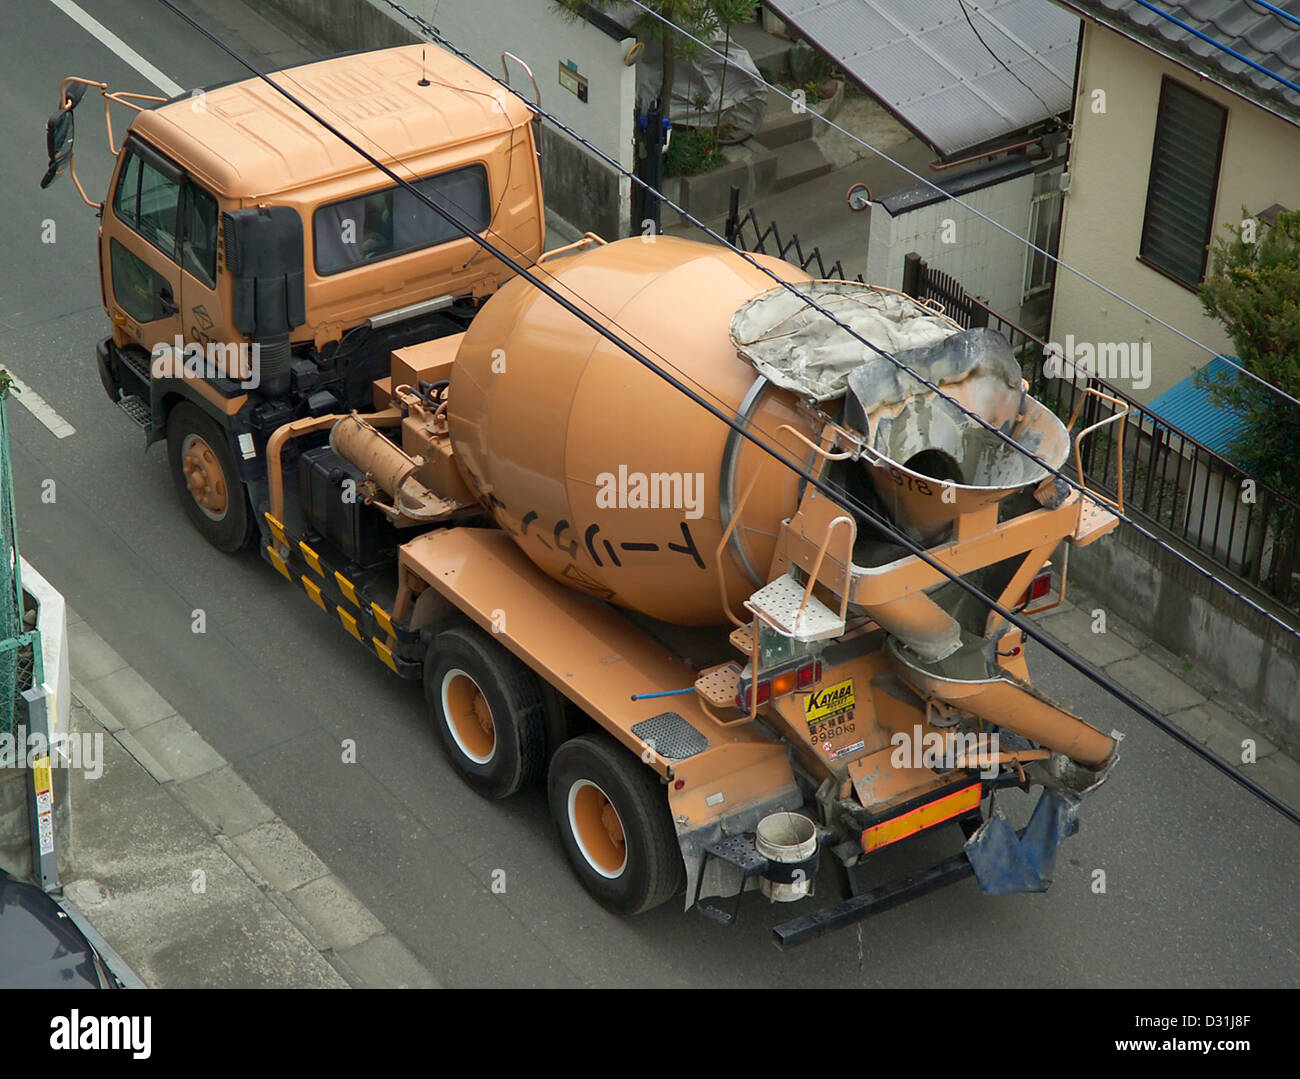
(1188, 407)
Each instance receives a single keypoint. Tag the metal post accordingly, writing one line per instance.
(651, 168)
(913, 271)
(45, 857)
(733, 216)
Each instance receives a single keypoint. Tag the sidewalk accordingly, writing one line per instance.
(188, 875)
(194, 881)
(1173, 688)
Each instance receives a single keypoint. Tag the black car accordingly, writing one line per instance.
(40, 945)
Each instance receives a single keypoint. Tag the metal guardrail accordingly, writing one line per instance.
(1248, 530)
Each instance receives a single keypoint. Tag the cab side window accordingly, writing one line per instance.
(149, 202)
(199, 235)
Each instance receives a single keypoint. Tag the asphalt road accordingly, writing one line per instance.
(1200, 877)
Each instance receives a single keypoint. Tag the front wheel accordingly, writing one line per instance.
(612, 814)
(204, 474)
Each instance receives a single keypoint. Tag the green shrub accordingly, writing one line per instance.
(691, 152)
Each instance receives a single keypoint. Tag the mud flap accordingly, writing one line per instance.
(1006, 862)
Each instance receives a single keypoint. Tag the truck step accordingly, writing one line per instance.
(137, 410)
(718, 685)
(742, 639)
(1094, 522)
(779, 603)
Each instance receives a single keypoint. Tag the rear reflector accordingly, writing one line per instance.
(917, 820)
(1042, 584)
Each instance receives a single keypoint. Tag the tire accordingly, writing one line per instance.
(591, 776)
(469, 679)
(216, 505)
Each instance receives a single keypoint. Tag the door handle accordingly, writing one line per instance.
(168, 304)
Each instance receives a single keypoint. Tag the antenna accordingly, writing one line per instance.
(424, 78)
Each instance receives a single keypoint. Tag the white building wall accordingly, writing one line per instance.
(1101, 232)
(985, 260)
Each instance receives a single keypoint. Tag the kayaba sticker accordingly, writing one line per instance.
(821, 704)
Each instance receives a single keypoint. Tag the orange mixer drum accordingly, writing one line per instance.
(610, 479)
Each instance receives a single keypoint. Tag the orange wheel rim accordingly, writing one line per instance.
(469, 717)
(204, 477)
(598, 829)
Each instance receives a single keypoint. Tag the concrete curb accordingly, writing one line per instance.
(327, 920)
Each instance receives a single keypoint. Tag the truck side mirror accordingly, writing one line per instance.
(59, 130)
(58, 142)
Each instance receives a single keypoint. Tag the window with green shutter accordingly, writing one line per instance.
(1184, 176)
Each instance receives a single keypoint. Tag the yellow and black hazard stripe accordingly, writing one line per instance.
(397, 646)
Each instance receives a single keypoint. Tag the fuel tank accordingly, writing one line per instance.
(610, 479)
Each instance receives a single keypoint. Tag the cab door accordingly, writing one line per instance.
(140, 251)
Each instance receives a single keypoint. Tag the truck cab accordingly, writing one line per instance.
(256, 270)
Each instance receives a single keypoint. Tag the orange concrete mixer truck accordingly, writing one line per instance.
(730, 667)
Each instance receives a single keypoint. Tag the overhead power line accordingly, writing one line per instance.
(1219, 583)
(832, 491)
(1275, 390)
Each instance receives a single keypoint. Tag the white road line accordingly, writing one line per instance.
(25, 395)
(112, 41)
(38, 406)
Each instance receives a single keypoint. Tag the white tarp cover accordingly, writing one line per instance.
(800, 349)
(697, 81)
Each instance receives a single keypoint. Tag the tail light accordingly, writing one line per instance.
(764, 694)
(809, 674)
(781, 683)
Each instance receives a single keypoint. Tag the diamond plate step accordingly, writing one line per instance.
(137, 410)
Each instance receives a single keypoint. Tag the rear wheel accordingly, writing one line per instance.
(204, 474)
(612, 814)
(488, 709)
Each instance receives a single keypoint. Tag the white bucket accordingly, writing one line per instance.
(787, 838)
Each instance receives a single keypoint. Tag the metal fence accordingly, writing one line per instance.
(749, 234)
(1246, 529)
(19, 650)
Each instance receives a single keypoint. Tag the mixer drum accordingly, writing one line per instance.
(608, 477)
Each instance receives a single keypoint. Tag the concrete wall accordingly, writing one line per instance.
(986, 261)
(1179, 609)
(578, 186)
(1110, 162)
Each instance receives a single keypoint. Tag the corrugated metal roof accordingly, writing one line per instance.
(1255, 32)
(1188, 407)
(923, 60)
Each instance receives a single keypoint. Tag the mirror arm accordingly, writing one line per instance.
(98, 207)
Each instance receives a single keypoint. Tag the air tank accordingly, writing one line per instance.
(610, 479)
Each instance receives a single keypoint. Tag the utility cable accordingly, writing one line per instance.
(1078, 485)
(1276, 390)
(885, 526)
